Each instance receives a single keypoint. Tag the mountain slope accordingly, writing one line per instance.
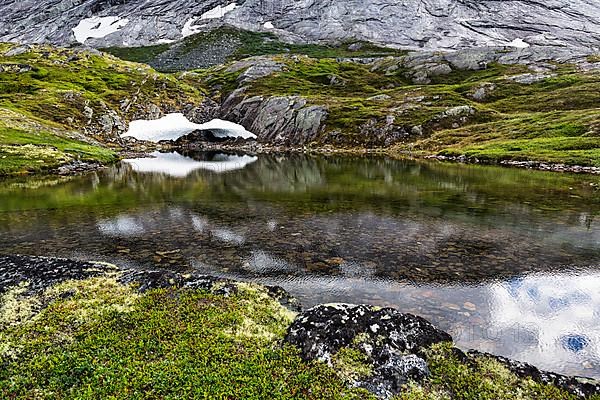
(431, 24)
(58, 106)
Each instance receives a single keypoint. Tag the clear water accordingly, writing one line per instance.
(507, 261)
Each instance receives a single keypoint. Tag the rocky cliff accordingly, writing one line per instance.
(430, 24)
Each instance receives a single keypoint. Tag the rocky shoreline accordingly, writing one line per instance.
(255, 148)
(389, 349)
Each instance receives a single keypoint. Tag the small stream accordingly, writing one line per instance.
(506, 260)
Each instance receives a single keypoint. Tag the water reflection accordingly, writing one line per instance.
(178, 165)
(507, 261)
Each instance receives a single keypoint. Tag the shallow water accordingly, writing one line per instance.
(507, 261)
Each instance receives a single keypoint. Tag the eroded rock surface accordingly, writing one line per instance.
(431, 24)
(392, 342)
(43, 272)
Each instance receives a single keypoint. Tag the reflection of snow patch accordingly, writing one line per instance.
(228, 236)
(98, 27)
(199, 223)
(268, 25)
(173, 126)
(519, 43)
(121, 226)
(176, 165)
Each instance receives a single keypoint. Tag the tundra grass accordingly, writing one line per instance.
(97, 338)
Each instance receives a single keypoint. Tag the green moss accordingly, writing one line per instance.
(481, 379)
(144, 54)
(244, 44)
(351, 364)
(99, 339)
(594, 58)
(28, 146)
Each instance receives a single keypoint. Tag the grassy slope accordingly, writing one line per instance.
(43, 105)
(247, 44)
(556, 120)
(98, 339)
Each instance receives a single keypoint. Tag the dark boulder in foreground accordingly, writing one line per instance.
(392, 342)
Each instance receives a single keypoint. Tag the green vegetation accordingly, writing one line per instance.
(236, 44)
(96, 338)
(143, 54)
(480, 379)
(555, 119)
(65, 104)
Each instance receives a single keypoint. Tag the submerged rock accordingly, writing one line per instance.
(391, 341)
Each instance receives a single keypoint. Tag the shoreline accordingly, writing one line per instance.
(144, 151)
(26, 277)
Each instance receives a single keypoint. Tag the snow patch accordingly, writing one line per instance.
(174, 126)
(179, 166)
(98, 27)
(519, 43)
(188, 29)
(268, 25)
(218, 11)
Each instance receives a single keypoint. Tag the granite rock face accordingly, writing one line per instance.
(392, 342)
(281, 120)
(423, 24)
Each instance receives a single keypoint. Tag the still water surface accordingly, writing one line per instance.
(507, 261)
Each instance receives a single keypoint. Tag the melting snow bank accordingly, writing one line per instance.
(98, 27)
(179, 166)
(174, 126)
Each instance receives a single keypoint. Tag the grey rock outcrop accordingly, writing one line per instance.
(392, 342)
(287, 120)
(418, 24)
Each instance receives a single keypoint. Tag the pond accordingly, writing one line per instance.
(506, 260)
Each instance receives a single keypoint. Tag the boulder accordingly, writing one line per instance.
(391, 342)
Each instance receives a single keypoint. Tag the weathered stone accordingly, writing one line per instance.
(43, 272)
(393, 342)
(429, 24)
(529, 79)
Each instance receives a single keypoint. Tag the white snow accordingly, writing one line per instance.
(173, 126)
(98, 27)
(218, 11)
(268, 25)
(165, 41)
(188, 29)
(519, 43)
(179, 166)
